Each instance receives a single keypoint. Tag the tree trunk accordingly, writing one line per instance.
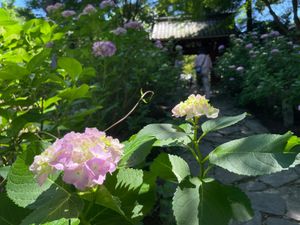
(249, 15)
(295, 12)
(281, 28)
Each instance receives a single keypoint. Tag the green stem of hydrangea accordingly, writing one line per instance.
(196, 145)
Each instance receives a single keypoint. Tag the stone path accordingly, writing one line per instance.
(275, 198)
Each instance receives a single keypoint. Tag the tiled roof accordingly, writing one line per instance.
(186, 29)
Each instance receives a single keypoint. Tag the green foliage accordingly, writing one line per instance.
(220, 123)
(207, 202)
(255, 155)
(170, 167)
(21, 186)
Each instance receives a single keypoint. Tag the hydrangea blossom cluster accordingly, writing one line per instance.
(221, 47)
(158, 44)
(53, 8)
(85, 158)
(240, 69)
(107, 3)
(119, 31)
(89, 9)
(104, 48)
(249, 46)
(68, 13)
(274, 51)
(133, 25)
(195, 106)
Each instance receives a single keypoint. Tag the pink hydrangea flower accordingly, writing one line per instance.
(274, 33)
(68, 13)
(89, 9)
(133, 25)
(107, 3)
(195, 106)
(119, 31)
(85, 158)
(104, 48)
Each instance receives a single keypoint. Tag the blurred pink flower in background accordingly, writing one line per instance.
(133, 25)
(68, 13)
(107, 3)
(119, 31)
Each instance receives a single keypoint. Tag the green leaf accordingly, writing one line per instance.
(4, 171)
(21, 186)
(54, 204)
(129, 178)
(162, 131)
(13, 71)
(222, 122)
(170, 167)
(104, 198)
(72, 66)
(207, 202)
(64, 221)
(5, 18)
(11, 214)
(254, 155)
(38, 59)
(75, 92)
(136, 150)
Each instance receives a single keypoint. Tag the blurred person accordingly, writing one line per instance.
(203, 66)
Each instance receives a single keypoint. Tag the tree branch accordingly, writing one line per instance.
(281, 27)
(295, 12)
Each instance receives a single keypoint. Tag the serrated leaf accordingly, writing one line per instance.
(54, 204)
(136, 150)
(129, 178)
(254, 155)
(170, 167)
(104, 198)
(207, 202)
(72, 66)
(222, 122)
(21, 186)
(11, 214)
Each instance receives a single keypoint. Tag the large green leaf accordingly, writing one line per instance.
(222, 122)
(21, 186)
(11, 214)
(54, 204)
(13, 71)
(38, 59)
(136, 150)
(162, 131)
(72, 66)
(103, 197)
(170, 167)
(207, 202)
(254, 155)
(75, 92)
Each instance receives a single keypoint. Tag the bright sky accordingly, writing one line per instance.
(264, 16)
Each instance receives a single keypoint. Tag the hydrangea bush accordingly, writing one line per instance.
(254, 65)
(91, 177)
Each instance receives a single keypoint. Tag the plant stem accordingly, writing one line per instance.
(196, 145)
